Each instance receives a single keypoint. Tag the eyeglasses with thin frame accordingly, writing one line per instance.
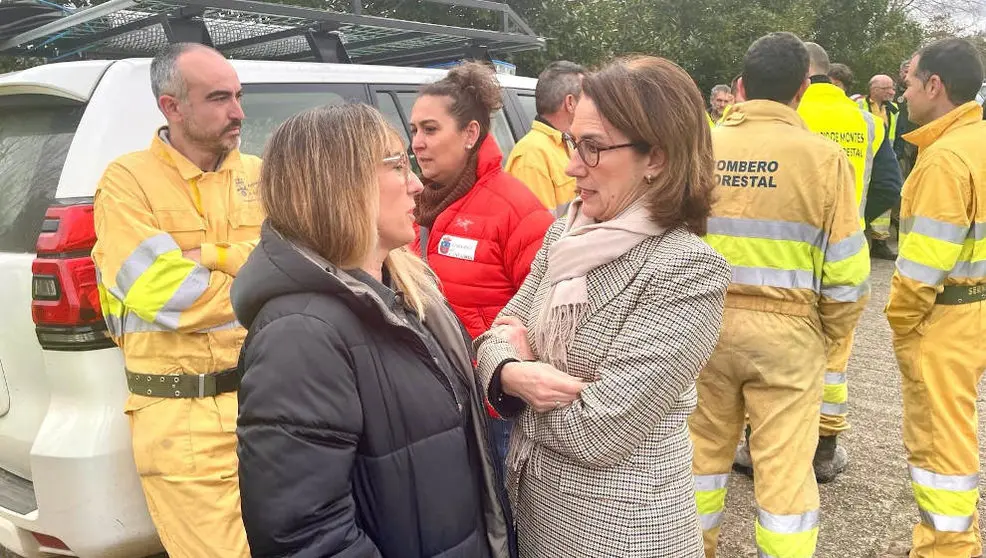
(589, 150)
(401, 163)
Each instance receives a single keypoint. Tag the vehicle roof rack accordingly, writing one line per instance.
(252, 30)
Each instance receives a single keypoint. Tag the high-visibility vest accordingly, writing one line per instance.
(890, 125)
(827, 111)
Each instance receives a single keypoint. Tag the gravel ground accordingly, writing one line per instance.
(870, 505)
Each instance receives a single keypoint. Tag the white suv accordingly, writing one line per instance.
(68, 485)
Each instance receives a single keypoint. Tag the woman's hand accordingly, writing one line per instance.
(513, 330)
(542, 386)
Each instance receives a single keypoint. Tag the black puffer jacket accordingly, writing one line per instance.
(352, 441)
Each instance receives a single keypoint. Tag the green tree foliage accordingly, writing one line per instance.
(708, 38)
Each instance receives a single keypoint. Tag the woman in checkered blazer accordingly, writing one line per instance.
(597, 354)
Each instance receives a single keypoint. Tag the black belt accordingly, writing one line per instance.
(954, 294)
(179, 386)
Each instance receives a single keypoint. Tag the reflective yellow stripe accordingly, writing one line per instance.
(836, 389)
(787, 536)
(767, 253)
(788, 254)
(710, 496)
(169, 286)
(931, 250)
(948, 495)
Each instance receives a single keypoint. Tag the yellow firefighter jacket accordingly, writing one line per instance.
(539, 160)
(827, 111)
(168, 313)
(942, 215)
(786, 218)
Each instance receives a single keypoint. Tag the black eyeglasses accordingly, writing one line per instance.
(589, 150)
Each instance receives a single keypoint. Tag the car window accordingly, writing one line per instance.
(35, 134)
(500, 128)
(528, 107)
(388, 106)
(266, 106)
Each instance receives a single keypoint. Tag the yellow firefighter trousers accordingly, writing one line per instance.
(185, 450)
(835, 395)
(772, 366)
(941, 364)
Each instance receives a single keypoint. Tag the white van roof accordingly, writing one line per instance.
(77, 80)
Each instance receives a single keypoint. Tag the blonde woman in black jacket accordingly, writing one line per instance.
(361, 429)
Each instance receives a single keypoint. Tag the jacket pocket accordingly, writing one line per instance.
(161, 438)
(621, 483)
(185, 226)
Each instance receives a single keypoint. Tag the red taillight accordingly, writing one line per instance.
(65, 304)
(48, 541)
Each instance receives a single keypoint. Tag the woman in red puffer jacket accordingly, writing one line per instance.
(479, 227)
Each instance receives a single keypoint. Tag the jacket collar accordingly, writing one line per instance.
(542, 127)
(188, 170)
(962, 115)
(489, 157)
(762, 111)
(825, 93)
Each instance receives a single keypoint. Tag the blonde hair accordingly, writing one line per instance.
(319, 186)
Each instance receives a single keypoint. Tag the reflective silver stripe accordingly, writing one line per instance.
(132, 323)
(835, 378)
(774, 230)
(954, 483)
(969, 269)
(221, 327)
(920, 272)
(868, 166)
(143, 256)
(977, 231)
(788, 524)
(835, 408)
(846, 293)
(190, 290)
(113, 325)
(845, 248)
(168, 319)
(946, 523)
(706, 483)
(940, 230)
(770, 277)
(710, 520)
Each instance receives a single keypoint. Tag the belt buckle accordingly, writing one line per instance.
(201, 385)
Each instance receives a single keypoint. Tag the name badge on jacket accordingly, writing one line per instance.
(457, 247)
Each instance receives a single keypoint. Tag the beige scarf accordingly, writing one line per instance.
(582, 247)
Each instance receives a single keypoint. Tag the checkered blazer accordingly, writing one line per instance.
(610, 475)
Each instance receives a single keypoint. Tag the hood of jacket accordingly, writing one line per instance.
(278, 267)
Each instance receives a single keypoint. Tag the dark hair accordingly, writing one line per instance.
(657, 105)
(842, 73)
(956, 62)
(474, 92)
(559, 80)
(774, 67)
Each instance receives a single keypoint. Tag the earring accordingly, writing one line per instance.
(648, 179)
(469, 146)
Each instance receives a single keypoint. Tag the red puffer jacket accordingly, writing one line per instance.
(481, 246)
